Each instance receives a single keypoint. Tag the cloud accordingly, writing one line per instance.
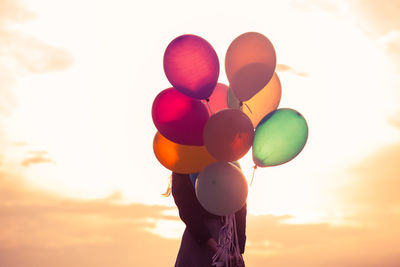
(22, 54)
(274, 243)
(37, 57)
(370, 237)
(394, 120)
(391, 43)
(378, 19)
(381, 17)
(375, 17)
(11, 10)
(41, 229)
(310, 5)
(374, 194)
(36, 157)
(286, 68)
(381, 20)
(20, 144)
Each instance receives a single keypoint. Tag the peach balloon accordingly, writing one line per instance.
(180, 158)
(249, 64)
(228, 134)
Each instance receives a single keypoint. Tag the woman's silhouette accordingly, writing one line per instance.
(199, 240)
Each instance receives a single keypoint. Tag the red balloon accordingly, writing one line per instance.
(218, 98)
(191, 66)
(228, 135)
(179, 118)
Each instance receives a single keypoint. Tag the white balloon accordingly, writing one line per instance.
(221, 188)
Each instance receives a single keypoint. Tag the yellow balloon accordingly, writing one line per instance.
(180, 158)
(261, 104)
(264, 101)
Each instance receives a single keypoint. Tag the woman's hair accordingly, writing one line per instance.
(169, 188)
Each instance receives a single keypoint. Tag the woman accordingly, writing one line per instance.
(199, 240)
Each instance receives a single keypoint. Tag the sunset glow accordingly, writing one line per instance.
(78, 80)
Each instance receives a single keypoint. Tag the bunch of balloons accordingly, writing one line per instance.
(204, 125)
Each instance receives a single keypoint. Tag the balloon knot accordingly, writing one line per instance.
(241, 103)
(208, 105)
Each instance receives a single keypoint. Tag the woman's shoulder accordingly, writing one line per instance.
(181, 183)
(180, 178)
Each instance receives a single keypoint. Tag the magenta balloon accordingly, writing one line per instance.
(191, 66)
(179, 118)
(228, 135)
(218, 99)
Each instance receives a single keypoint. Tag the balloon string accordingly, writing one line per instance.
(248, 108)
(254, 171)
(228, 253)
(208, 105)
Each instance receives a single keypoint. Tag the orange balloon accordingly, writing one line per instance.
(249, 64)
(264, 101)
(180, 158)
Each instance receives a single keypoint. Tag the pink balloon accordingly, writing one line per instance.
(228, 135)
(191, 66)
(179, 118)
(218, 98)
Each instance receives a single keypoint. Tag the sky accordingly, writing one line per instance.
(80, 185)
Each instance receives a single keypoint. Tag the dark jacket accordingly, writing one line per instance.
(193, 214)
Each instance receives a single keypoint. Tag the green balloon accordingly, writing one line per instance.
(279, 137)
